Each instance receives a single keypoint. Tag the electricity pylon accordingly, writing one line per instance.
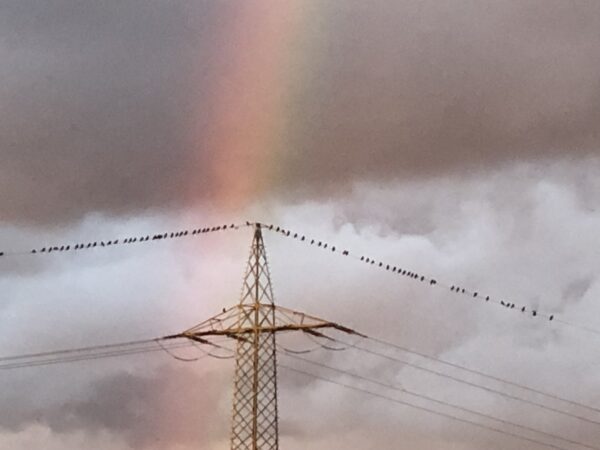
(254, 323)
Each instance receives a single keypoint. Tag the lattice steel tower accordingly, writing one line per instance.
(254, 323)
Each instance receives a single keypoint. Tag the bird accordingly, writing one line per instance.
(534, 313)
(345, 253)
(475, 294)
(224, 310)
(487, 299)
(551, 318)
(433, 282)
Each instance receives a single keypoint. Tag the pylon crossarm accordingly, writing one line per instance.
(303, 318)
(264, 329)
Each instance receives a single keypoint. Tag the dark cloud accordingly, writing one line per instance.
(109, 108)
(168, 406)
(94, 103)
(467, 134)
(409, 88)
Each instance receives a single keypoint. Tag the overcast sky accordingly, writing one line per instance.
(459, 139)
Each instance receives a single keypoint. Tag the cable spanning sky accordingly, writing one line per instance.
(458, 140)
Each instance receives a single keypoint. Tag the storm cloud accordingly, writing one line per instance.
(108, 108)
(458, 140)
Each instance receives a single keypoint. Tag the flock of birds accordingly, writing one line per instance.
(288, 233)
(407, 273)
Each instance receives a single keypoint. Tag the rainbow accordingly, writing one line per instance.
(248, 104)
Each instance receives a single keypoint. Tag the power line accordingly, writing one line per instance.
(138, 239)
(438, 401)
(77, 350)
(421, 408)
(471, 384)
(454, 288)
(84, 357)
(482, 374)
(100, 352)
(433, 282)
(150, 345)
